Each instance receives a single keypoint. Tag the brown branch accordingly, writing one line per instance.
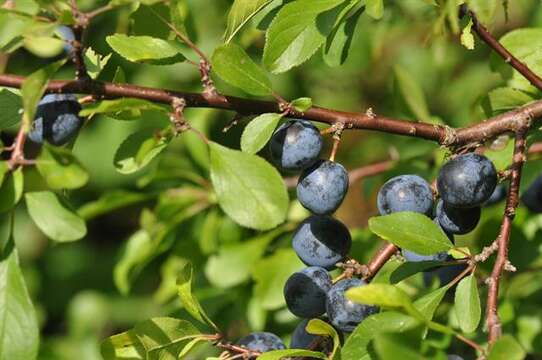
(444, 135)
(510, 59)
(503, 239)
(379, 260)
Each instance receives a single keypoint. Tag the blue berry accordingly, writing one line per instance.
(343, 313)
(305, 292)
(405, 193)
(66, 34)
(301, 339)
(467, 181)
(413, 257)
(499, 194)
(322, 187)
(295, 145)
(454, 357)
(456, 220)
(532, 197)
(57, 120)
(262, 342)
(321, 241)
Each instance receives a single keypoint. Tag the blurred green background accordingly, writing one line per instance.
(398, 67)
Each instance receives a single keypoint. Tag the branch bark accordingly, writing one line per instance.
(477, 133)
(503, 239)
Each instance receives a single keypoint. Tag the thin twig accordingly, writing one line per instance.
(503, 239)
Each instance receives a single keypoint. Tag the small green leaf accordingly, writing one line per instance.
(123, 346)
(189, 301)
(19, 333)
(121, 109)
(11, 189)
(408, 269)
(384, 295)
(95, 62)
(396, 346)
(427, 304)
(411, 231)
(296, 32)
(10, 109)
(375, 8)
(504, 99)
(467, 304)
(248, 188)
(356, 345)
(322, 328)
(146, 49)
(240, 13)
(54, 218)
(110, 201)
(412, 93)
(270, 274)
(289, 353)
(33, 88)
(258, 132)
(178, 10)
(467, 39)
(302, 104)
(139, 149)
(60, 168)
(506, 348)
(232, 265)
(232, 63)
(339, 41)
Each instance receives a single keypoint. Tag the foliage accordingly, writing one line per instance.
(161, 229)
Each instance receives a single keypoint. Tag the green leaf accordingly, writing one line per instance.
(467, 304)
(10, 109)
(60, 168)
(412, 93)
(110, 201)
(33, 88)
(506, 348)
(289, 353)
(467, 39)
(164, 338)
(123, 346)
(504, 99)
(356, 344)
(319, 327)
(11, 189)
(95, 62)
(258, 132)
(240, 13)
(339, 41)
(232, 265)
(408, 269)
(375, 8)
(484, 9)
(138, 251)
(271, 273)
(146, 49)
(249, 189)
(411, 231)
(19, 333)
(54, 218)
(302, 104)
(139, 149)
(501, 158)
(189, 301)
(383, 295)
(396, 346)
(232, 63)
(178, 11)
(296, 32)
(427, 304)
(121, 109)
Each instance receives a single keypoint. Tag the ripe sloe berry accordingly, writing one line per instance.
(499, 194)
(411, 256)
(456, 220)
(454, 357)
(343, 313)
(295, 145)
(305, 292)
(301, 339)
(67, 35)
(262, 342)
(321, 241)
(322, 187)
(532, 197)
(405, 193)
(57, 120)
(467, 181)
